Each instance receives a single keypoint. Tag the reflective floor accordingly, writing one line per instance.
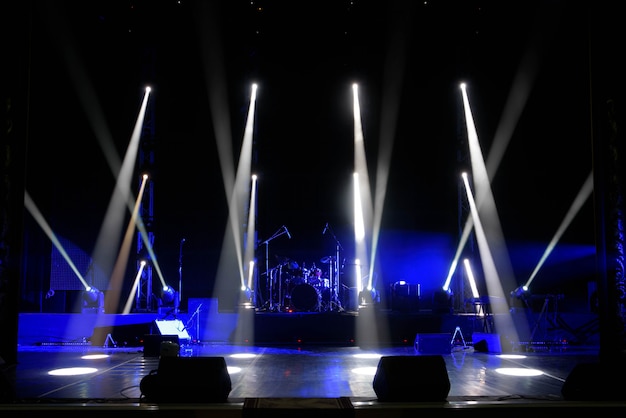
(431, 373)
(290, 372)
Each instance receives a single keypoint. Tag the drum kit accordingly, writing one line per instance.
(295, 288)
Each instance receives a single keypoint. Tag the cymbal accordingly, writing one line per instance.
(281, 259)
(288, 262)
(326, 260)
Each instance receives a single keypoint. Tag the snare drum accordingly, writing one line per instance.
(315, 276)
(299, 276)
(323, 284)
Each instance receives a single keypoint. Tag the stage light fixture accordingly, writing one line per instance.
(169, 300)
(521, 293)
(405, 297)
(168, 295)
(91, 295)
(369, 297)
(93, 300)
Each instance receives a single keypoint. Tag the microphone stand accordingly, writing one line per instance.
(281, 231)
(197, 312)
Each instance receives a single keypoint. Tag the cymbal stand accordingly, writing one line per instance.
(267, 305)
(280, 302)
(334, 302)
(276, 276)
(281, 231)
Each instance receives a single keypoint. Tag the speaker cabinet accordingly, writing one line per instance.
(487, 343)
(421, 378)
(595, 382)
(128, 335)
(187, 380)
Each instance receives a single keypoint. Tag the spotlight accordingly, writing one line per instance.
(91, 294)
(168, 302)
(168, 295)
(93, 300)
(520, 293)
(245, 297)
(248, 293)
(369, 297)
(405, 297)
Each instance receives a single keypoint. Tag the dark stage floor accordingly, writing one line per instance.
(331, 378)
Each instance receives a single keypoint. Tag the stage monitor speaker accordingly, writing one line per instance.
(421, 378)
(594, 382)
(187, 380)
(128, 335)
(487, 343)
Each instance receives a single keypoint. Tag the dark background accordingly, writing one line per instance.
(305, 56)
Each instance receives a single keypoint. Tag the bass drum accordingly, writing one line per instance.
(305, 298)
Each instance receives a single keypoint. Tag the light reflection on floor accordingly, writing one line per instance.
(284, 371)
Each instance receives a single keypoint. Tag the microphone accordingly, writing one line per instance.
(287, 231)
(325, 229)
(183, 240)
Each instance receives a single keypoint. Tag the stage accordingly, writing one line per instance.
(315, 379)
(206, 323)
(302, 362)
